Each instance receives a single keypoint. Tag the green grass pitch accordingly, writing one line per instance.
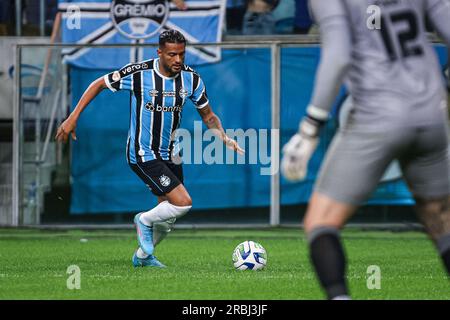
(33, 265)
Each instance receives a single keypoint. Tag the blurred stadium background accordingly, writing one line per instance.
(52, 50)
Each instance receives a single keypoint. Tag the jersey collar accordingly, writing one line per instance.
(156, 68)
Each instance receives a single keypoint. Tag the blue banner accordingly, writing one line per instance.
(239, 90)
(137, 22)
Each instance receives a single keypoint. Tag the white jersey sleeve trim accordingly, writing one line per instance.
(202, 106)
(108, 84)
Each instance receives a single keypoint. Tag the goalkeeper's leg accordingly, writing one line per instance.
(324, 218)
(435, 216)
(426, 170)
(352, 167)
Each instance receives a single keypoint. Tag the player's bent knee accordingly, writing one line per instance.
(185, 201)
(325, 211)
(312, 224)
(179, 197)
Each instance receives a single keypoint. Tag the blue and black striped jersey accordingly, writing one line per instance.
(156, 105)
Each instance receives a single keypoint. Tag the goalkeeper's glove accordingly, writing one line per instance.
(300, 148)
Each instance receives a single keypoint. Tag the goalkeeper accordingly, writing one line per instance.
(400, 112)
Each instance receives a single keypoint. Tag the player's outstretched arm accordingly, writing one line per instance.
(335, 58)
(334, 62)
(212, 121)
(68, 126)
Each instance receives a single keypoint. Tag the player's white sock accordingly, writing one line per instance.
(162, 212)
(161, 229)
(141, 254)
(342, 297)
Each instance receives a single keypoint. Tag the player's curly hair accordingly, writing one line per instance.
(171, 36)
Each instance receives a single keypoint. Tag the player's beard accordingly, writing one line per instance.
(175, 71)
(170, 69)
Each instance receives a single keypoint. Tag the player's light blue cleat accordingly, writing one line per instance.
(144, 235)
(150, 261)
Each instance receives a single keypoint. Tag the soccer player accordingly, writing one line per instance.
(159, 89)
(400, 112)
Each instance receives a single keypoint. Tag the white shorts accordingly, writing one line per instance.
(357, 159)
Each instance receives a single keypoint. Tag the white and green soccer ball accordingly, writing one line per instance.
(249, 255)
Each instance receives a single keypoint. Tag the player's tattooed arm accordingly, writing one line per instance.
(68, 126)
(213, 122)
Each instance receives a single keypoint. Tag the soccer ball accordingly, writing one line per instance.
(249, 255)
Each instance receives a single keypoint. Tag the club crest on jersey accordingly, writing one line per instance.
(153, 93)
(183, 93)
(116, 76)
(139, 19)
(164, 180)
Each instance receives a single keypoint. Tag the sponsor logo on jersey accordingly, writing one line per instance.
(134, 67)
(116, 76)
(164, 180)
(158, 108)
(153, 93)
(149, 105)
(139, 19)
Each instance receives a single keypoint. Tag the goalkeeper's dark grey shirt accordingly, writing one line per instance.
(380, 49)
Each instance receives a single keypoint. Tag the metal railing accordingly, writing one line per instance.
(19, 17)
(274, 46)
